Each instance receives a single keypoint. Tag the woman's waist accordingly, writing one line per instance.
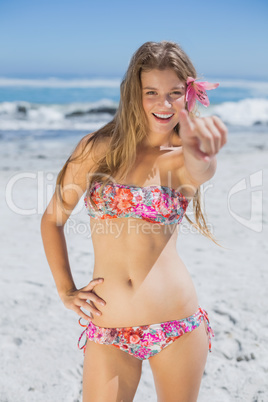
(137, 299)
(149, 310)
(134, 266)
(143, 283)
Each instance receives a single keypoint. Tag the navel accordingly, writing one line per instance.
(129, 282)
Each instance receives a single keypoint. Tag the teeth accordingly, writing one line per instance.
(163, 116)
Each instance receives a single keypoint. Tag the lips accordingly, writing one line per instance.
(163, 117)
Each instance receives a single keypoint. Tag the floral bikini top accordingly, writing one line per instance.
(154, 203)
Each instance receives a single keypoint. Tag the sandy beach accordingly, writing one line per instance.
(40, 361)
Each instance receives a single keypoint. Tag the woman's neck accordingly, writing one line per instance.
(173, 140)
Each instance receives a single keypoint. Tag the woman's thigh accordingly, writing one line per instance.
(110, 374)
(179, 367)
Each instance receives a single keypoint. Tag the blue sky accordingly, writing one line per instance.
(82, 38)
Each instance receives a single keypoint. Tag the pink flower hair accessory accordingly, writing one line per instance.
(197, 91)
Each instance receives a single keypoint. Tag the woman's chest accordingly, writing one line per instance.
(155, 169)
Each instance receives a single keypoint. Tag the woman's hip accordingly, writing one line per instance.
(145, 341)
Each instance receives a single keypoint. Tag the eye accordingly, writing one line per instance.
(151, 93)
(177, 93)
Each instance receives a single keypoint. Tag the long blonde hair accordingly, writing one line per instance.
(129, 126)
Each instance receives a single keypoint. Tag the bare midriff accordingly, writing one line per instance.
(145, 280)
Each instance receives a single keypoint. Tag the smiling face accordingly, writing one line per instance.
(163, 96)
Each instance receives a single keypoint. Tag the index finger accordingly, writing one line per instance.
(185, 121)
(94, 283)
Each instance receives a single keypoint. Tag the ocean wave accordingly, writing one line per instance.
(247, 112)
(91, 116)
(74, 116)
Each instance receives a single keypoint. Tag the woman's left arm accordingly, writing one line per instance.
(202, 138)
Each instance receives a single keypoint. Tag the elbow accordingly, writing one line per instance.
(44, 223)
(48, 221)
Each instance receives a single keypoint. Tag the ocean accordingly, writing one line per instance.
(86, 104)
(42, 120)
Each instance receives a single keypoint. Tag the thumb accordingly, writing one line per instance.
(185, 121)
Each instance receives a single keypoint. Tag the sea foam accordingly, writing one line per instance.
(247, 112)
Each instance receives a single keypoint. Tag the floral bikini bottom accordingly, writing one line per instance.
(145, 341)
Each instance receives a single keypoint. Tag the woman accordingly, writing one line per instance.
(140, 171)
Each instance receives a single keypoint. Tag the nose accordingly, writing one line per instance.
(166, 101)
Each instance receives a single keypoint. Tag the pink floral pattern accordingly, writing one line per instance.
(156, 204)
(146, 341)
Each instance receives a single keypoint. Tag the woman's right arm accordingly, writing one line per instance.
(52, 232)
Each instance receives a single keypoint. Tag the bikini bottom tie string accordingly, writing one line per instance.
(78, 343)
(209, 329)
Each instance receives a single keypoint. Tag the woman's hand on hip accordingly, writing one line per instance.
(77, 299)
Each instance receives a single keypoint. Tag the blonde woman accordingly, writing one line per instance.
(140, 172)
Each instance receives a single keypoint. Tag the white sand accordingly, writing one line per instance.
(40, 361)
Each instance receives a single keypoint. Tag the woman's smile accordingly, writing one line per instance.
(163, 117)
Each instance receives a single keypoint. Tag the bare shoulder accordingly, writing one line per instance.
(88, 151)
(74, 178)
(86, 143)
(84, 160)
